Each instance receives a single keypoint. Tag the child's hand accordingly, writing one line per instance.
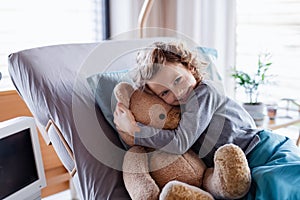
(124, 120)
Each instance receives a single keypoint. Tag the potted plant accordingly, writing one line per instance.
(251, 85)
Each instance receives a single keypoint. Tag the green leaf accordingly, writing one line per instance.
(252, 83)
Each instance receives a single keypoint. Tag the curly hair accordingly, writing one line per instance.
(150, 60)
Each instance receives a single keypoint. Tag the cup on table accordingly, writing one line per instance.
(272, 111)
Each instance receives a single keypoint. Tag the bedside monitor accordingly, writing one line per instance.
(21, 168)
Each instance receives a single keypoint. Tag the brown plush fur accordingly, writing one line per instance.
(150, 110)
(165, 167)
(175, 190)
(231, 177)
(150, 174)
(137, 179)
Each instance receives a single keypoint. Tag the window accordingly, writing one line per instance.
(271, 26)
(34, 23)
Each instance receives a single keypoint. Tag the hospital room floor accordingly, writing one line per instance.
(291, 132)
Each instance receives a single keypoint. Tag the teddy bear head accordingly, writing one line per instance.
(147, 108)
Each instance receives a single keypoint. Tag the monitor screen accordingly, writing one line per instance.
(21, 168)
(17, 163)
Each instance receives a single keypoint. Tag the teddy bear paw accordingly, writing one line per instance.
(176, 190)
(231, 176)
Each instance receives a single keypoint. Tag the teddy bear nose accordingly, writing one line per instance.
(162, 116)
(157, 115)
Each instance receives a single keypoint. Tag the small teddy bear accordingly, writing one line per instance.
(150, 174)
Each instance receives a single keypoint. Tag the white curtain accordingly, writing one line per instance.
(210, 23)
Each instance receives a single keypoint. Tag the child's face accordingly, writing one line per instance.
(173, 83)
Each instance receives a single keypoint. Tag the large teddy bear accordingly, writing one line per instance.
(150, 174)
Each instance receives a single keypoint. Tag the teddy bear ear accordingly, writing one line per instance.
(123, 92)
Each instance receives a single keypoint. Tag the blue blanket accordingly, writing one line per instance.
(275, 168)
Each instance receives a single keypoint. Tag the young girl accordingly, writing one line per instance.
(209, 120)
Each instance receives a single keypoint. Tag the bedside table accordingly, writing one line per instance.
(284, 118)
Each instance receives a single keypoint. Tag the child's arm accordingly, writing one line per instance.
(194, 121)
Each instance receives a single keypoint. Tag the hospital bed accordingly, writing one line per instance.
(72, 103)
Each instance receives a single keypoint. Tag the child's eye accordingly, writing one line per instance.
(177, 80)
(164, 93)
